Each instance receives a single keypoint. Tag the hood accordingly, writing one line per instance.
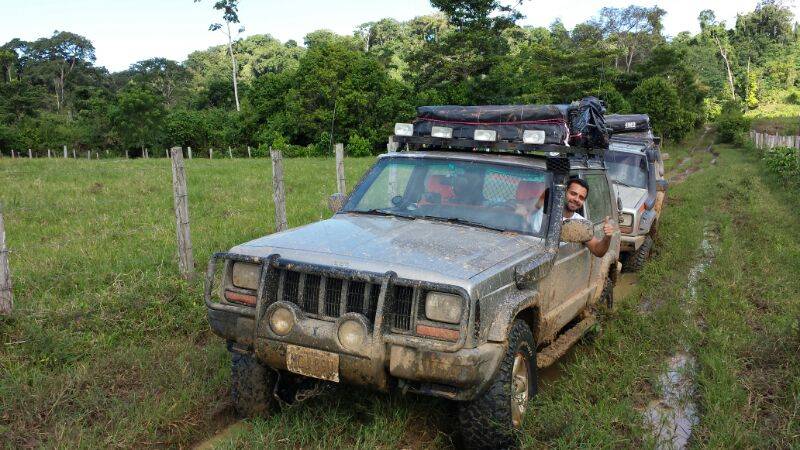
(631, 197)
(411, 248)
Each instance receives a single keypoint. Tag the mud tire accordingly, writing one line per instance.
(486, 421)
(636, 260)
(251, 386)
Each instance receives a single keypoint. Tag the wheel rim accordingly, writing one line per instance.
(520, 386)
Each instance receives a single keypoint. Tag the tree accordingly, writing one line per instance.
(634, 30)
(230, 14)
(716, 32)
(58, 56)
(137, 116)
(164, 75)
(658, 98)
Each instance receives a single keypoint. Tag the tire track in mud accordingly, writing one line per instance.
(672, 417)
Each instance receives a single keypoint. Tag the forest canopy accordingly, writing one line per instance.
(352, 88)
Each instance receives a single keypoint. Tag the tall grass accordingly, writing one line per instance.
(108, 347)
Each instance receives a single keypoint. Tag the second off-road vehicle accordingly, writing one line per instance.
(636, 167)
(447, 272)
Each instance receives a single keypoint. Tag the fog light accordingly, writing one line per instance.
(403, 129)
(281, 321)
(442, 132)
(533, 137)
(486, 135)
(352, 334)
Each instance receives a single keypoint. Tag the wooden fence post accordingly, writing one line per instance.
(30, 154)
(278, 192)
(65, 152)
(127, 156)
(166, 152)
(211, 153)
(189, 150)
(48, 154)
(181, 195)
(88, 154)
(340, 180)
(74, 156)
(230, 153)
(6, 295)
(249, 155)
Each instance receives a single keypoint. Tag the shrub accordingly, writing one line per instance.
(732, 125)
(657, 97)
(784, 162)
(358, 146)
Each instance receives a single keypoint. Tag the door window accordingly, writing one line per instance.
(597, 204)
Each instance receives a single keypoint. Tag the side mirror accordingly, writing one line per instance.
(576, 231)
(336, 202)
(661, 185)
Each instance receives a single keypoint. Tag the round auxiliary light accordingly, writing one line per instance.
(352, 334)
(281, 321)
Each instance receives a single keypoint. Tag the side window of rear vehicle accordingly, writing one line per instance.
(598, 201)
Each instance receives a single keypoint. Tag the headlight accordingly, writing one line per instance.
(352, 334)
(281, 321)
(443, 307)
(246, 275)
(626, 220)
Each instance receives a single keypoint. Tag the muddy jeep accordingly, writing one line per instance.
(427, 280)
(636, 167)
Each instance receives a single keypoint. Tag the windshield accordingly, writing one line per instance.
(627, 168)
(495, 196)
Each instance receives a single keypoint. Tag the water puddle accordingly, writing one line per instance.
(626, 283)
(224, 434)
(672, 417)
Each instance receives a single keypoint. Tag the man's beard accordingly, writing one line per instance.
(572, 208)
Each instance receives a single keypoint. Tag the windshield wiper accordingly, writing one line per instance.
(626, 184)
(381, 212)
(462, 222)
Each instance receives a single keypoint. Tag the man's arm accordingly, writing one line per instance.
(599, 247)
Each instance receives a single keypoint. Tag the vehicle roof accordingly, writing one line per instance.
(534, 161)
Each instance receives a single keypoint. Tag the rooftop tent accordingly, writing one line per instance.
(626, 123)
(578, 124)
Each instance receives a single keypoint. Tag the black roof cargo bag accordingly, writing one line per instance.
(587, 124)
(623, 123)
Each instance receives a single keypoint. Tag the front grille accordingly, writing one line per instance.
(403, 299)
(327, 297)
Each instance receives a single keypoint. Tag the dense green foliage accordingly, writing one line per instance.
(333, 87)
(732, 125)
(785, 162)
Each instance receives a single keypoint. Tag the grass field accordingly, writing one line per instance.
(108, 347)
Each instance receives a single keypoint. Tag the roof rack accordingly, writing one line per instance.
(539, 130)
(514, 147)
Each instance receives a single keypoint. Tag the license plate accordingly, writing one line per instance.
(313, 363)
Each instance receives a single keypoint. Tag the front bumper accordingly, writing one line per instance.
(630, 243)
(423, 365)
(458, 375)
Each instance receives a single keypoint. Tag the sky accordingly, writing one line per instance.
(126, 31)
